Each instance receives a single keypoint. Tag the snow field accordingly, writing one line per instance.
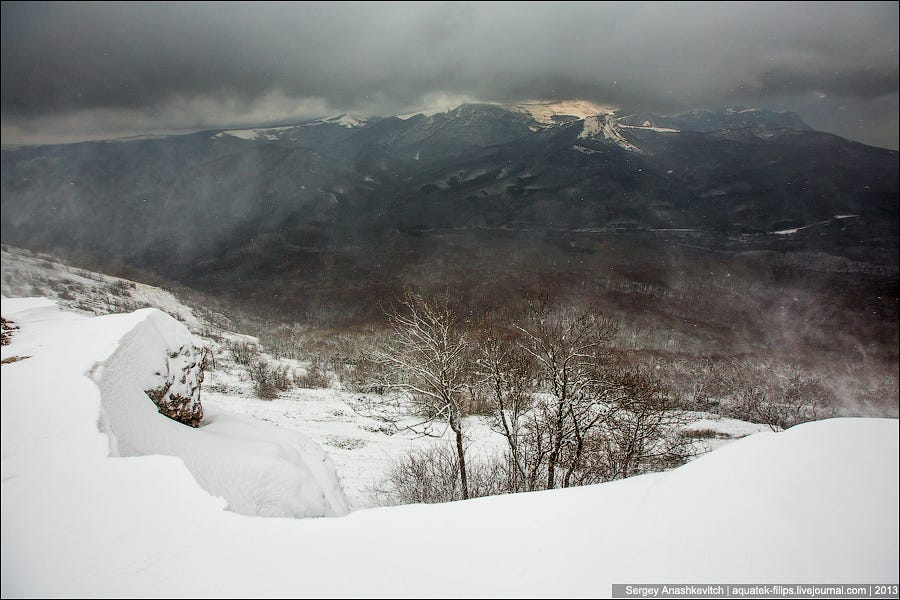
(106, 364)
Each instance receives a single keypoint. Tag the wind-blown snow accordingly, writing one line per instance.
(818, 502)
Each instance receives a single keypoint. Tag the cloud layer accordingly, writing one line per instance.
(73, 71)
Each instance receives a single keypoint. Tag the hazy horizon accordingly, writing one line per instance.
(79, 71)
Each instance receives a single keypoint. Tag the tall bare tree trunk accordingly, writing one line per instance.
(461, 457)
(556, 443)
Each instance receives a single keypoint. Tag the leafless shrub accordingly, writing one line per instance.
(282, 342)
(642, 435)
(316, 376)
(360, 375)
(269, 379)
(120, 288)
(90, 275)
(779, 396)
(431, 475)
(243, 353)
(208, 360)
(703, 434)
(66, 294)
(359, 371)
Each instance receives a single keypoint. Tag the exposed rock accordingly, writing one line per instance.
(6, 329)
(13, 359)
(179, 395)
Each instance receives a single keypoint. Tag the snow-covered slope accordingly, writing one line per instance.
(105, 365)
(604, 127)
(547, 113)
(362, 449)
(816, 503)
(598, 122)
(263, 133)
(28, 274)
(275, 133)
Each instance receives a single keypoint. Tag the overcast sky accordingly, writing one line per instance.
(81, 71)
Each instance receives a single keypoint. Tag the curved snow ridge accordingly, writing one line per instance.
(257, 468)
(49, 395)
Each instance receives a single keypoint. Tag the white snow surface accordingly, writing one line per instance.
(362, 449)
(818, 502)
(275, 133)
(585, 150)
(544, 111)
(650, 128)
(348, 121)
(103, 365)
(28, 274)
(604, 126)
(263, 133)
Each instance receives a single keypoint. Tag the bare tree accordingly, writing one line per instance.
(778, 395)
(643, 435)
(426, 364)
(243, 353)
(569, 348)
(568, 414)
(506, 375)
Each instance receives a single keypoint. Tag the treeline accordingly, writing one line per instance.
(544, 371)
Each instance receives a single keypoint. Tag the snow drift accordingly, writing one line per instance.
(817, 503)
(258, 469)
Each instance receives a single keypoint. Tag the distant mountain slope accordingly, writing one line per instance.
(234, 202)
(724, 118)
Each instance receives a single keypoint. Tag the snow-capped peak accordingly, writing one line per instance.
(605, 126)
(544, 111)
(346, 120)
(264, 133)
(275, 133)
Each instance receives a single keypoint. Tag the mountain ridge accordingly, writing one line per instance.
(304, 203)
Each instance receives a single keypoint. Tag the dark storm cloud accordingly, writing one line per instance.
(89, 69)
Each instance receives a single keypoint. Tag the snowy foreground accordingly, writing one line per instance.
(817, 503)
(362, 449)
